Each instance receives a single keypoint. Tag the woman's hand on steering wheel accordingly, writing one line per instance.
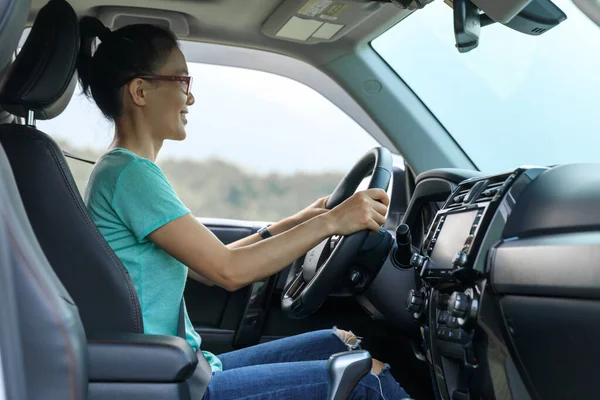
(363, 210)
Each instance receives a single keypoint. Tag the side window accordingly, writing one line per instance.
(259, 146)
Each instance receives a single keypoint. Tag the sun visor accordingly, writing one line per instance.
(317, 21)
(116, 17)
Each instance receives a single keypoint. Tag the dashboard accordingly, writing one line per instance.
(504, 280)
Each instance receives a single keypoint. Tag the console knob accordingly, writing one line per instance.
(417, 261)
(403, 252)
(414, 301)
(459, 305)
(355, 277)
(460, 259)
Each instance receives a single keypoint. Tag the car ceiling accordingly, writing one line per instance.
(239, 22)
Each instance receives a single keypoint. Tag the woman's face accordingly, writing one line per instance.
(168, 103)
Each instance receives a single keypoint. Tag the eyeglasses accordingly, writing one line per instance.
(172, 78)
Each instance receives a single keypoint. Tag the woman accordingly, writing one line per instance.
(138, 77)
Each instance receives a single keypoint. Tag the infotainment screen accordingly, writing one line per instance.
(451, 239)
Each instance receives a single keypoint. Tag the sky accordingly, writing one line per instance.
(515, 100)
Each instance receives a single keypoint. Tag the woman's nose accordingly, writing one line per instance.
(190, 99)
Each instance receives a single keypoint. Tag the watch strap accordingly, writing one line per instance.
(264, 232)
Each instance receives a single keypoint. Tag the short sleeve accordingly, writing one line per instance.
(144, 199)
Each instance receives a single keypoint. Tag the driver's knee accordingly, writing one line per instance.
(378, 367)
(353, 342)
(350, 339)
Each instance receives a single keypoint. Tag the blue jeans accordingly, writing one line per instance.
(292, 368)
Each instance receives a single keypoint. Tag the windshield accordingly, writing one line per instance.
(514, 100)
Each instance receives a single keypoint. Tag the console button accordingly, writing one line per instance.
(442, 333)
(414, 301)
(451, 335)
(454, 335)
(452, 322)
(444, 317)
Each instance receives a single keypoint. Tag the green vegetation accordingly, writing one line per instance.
(218, 189)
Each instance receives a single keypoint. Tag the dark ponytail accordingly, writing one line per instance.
(132, 50)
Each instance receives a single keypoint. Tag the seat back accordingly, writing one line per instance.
(13, 16)
(50, 334)
(40, 85)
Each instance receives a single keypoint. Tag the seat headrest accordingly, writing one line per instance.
(13, 16)
(42, 78)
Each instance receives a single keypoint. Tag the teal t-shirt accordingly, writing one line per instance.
(128, 197)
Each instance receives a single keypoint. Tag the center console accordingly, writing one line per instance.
(451, 268)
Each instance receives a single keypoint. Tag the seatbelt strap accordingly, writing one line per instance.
(181, 325)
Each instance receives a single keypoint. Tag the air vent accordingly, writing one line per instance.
(494, 186)
(539, 31)
(459, 197)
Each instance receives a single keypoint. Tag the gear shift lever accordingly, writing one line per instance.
(345, 370)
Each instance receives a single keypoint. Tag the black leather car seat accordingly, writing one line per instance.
(42, 344)
(50, 334)
(39, 86)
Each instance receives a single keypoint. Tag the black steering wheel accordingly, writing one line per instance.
(313, 277)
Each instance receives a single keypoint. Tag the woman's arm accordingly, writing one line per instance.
(316, 208)
(199, 278)
(196, 246)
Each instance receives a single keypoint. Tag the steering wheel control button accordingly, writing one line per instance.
(414, 302)
(459, 305)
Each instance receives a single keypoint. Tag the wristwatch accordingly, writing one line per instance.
(264, 232)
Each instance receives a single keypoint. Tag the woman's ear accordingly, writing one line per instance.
(137, 90)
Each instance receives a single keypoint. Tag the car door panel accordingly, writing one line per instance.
(215, 312)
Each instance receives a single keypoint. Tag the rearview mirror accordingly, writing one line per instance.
(532, 17)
